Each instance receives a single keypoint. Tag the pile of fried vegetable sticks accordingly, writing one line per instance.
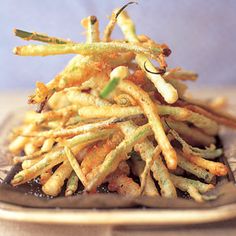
(111, 114)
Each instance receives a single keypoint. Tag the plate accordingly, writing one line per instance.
(138, 216)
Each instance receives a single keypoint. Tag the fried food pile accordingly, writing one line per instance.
(113, 117)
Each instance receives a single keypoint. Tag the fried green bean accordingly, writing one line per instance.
(208, 153)
(194, 169)
(161, 174)
(57, 156)
(168, 92)
(116, 75)
(92, 29)
(75, 165)
(86, 49)
(151, 111)
(53, 186)
(72, 184)
(39, 37)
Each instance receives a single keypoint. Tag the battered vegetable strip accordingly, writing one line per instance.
(124, 100)
(105, 108)
(108, 111)
(216, 168)
(113, 159)
(124, 186)
(116, 75)
(220, 117)
(72, 184)
(87, 49)
(161, 174)
(18, 159)
(53, 158)
(28, 163)
(53, 186)
(75, 165)
(151, 112)
(30, 148)
(190, 133)
(19, 142)
(91, 25)
(148, 187)
(146, 151)
(109, 28)
(121, 183)
(67, 132)
(75, 96)
(181, 75)
(168, 92)
(78, 70)
(194, 169)
(96, 154)
(47, 145)
(208, 153)
(207, 125)
(39, 37)
(45, 176)
(193, 187)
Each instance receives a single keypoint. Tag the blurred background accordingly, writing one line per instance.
(201, 34)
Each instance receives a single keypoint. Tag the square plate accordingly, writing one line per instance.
(131, 216)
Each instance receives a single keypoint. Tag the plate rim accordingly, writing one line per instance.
(117, 216)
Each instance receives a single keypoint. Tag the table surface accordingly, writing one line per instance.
(10, 100)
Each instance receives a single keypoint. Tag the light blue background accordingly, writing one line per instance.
(201, 34)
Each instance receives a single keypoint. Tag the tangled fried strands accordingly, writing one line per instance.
(107, 119)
